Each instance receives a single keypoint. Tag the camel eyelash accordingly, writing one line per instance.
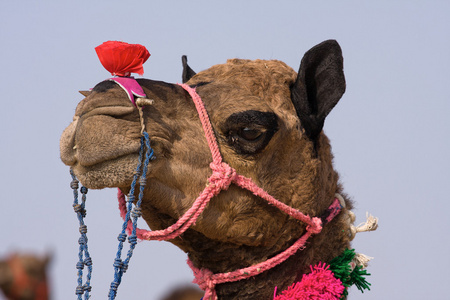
(250, 131)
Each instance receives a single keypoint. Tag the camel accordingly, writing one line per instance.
(268, 123)
(23, 277)
(183, 293)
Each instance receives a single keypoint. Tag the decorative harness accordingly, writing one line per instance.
(223, 175)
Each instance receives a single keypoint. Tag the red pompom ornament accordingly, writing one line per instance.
(122, 59)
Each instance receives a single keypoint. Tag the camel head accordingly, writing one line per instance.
(23, 277)
(268, 122)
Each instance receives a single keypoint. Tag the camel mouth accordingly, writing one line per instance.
(99, 135)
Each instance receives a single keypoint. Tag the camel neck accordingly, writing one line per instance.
(262, 286)
(207, 280)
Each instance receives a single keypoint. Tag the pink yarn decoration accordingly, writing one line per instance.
(320, 284)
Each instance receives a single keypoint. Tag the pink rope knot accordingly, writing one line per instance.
(223, 175)
(203, 278)
(316, 226)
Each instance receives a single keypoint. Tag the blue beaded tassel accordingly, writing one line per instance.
(84, 258)
(120, 266)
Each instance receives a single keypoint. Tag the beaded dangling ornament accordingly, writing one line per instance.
(120, 59)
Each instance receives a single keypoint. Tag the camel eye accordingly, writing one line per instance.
(250, 131)
(250, 134)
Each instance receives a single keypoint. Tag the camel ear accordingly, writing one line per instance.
(319, 86)
(85, 93)
(48, 257)
(188, 73)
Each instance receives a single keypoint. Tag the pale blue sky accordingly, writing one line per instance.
(390, 132)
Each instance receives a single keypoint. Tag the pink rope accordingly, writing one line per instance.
(207, 281)
(223, 175)
(206, 124)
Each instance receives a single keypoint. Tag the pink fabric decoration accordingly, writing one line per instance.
(131, 87)
(320, 284)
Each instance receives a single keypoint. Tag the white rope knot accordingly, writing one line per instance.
(371, 224)
(223, 175)
(316, 226)
(361, 260)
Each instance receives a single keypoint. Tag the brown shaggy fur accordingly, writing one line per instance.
(237, 229)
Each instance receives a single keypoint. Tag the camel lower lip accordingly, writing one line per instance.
(103, 175)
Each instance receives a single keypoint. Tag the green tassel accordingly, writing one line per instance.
(357, 278)
(340, 266)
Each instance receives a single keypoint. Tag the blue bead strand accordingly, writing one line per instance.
(120, 266)
(84, 258)
(136, 212)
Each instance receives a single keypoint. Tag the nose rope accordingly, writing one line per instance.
(140, 103)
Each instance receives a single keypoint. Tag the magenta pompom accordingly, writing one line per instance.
(320, 284)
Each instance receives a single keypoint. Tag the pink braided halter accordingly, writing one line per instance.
(222, 176)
